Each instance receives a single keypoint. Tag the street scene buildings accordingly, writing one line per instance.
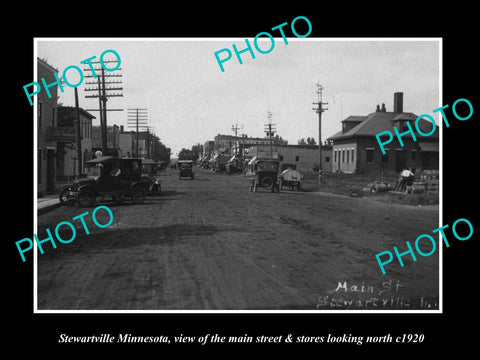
(262, 202)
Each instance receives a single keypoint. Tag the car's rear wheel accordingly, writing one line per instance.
(267, 182)
(137, 194)
(85, 197)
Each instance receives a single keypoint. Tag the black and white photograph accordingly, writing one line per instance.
(218, 198)
(290, 180)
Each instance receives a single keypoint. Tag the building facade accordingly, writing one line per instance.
(231, 145)
(113, 132)
(67, 159)
(356, 149)
(303, 158)
(46, 124)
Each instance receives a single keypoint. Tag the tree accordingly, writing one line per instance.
(185, 154)
(302, 142)
(311, 141)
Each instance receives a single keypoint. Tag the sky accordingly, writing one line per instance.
(190, 100)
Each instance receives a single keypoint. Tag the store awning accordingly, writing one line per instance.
(428, 146)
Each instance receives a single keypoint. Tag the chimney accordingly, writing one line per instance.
(383, 108)
(378, 108)
(121, 128)
(398, 102)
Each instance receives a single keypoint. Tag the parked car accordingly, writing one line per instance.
(149, 177)
(112, 176)
(265, 175)
(185, 169)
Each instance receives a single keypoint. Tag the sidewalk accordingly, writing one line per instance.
(47, 202)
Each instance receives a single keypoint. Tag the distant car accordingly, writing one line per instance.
(185, 169)
(112, 176)
(265, 175)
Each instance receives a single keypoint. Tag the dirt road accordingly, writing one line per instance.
(210, 244)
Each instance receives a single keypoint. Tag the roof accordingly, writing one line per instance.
(354, 118)
(71, 109)
(377, 122)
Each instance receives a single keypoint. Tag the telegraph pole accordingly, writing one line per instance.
(270, 130)
(235, 129)
(103, 93)
(319, 110)
(137, 118)
(78, 139)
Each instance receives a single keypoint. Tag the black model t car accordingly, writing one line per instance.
(112, 176)
(185, 169)
(265, 175)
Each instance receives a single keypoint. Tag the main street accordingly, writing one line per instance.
(210, 244)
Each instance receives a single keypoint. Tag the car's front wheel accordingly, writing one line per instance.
(85, 197)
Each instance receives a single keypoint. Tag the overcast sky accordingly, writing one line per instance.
(189, 99)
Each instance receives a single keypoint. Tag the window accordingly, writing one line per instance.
(348, 154)
(335, 156)
(369, 153)
(327, 159)
(343, 155)
(385, 157)
(352, 155)
(297, 158)
(280, 157)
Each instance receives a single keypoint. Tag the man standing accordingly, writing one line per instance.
(406, 177)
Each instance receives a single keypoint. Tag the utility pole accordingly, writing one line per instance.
(103, 93)
(319, 110)
(270, 130)
(78, 139)
(235, 129)
(137, 118)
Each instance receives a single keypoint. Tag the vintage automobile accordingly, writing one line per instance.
(149, 172)
(234, 165)
(265, 174)
(185, 169)
(112, 176)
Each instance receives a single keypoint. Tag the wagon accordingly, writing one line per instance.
(291, 178)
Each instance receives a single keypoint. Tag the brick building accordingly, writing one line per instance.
(355, 148)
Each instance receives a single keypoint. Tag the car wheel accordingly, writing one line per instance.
(137, 194)
(267, 182)
(85, 197)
